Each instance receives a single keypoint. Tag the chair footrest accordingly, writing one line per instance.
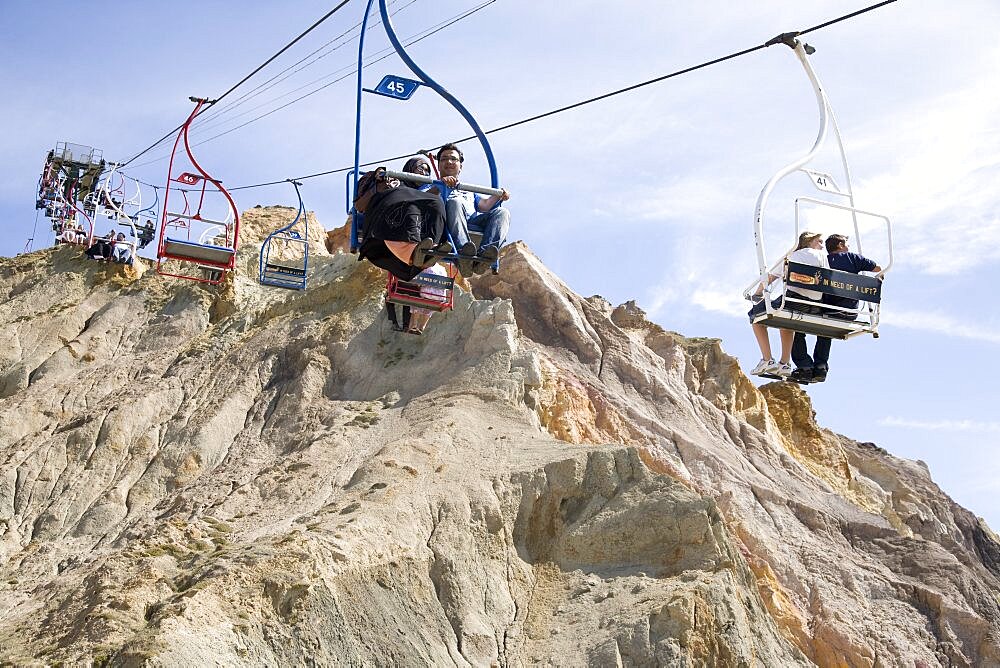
(282, 269)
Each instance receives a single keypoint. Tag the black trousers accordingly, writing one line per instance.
(800, 351)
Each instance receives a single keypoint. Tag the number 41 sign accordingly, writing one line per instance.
(397, 87)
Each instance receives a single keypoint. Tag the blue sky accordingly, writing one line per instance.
(646, 196)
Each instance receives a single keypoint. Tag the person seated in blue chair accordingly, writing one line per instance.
(417, 165)
(146, 234)
(465, 211)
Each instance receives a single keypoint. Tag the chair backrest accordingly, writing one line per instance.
(834, 282)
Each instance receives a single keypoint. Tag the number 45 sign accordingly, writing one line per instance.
(397, 87)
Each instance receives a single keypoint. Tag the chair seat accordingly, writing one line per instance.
(813, 324)
(178, 249)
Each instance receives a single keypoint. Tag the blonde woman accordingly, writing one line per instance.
(808, 251)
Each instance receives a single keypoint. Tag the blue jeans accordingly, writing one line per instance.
(493, 225)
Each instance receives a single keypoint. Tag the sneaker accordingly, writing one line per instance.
(468, 249)
(804, 374)
(467, 259)
(819, 373)
(762, 366)
(783, 370)
(489, 254)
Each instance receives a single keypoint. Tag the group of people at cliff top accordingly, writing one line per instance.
(793, 344)
(404, 228)
(70, 232)
(111, 248)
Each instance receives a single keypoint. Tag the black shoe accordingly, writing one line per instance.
(819, 373)
(486, 258)
(419, 257)
(803, 374)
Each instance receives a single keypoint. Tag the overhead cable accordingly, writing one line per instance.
(208, 123)
(278, 78)
(243, 80)
(605, 96)
(388, 52)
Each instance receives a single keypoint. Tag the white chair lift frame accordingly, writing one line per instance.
(796, 320)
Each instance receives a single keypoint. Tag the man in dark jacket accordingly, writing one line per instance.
(814, 369)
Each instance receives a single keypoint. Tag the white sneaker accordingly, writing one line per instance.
(762, 367)
(783, 370)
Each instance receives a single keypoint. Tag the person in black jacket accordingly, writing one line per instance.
(402, 225)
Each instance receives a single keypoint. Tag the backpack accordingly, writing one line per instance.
(370, 183)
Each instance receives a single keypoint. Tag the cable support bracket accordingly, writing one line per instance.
(789, 40)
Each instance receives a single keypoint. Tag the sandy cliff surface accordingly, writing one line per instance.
(245, 475)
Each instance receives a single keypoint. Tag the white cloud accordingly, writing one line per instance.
(727, 302)
(940, 323)
(943, 187)
(941, 425)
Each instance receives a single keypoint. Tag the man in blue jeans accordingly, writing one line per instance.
(466, 211)
(814, 369)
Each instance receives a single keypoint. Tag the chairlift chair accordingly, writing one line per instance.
(216, 256)
(357, 219)
(414, 293)
(113, 209)
(806, 316)
(286, 272)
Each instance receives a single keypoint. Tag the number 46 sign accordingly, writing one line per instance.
(397, 87)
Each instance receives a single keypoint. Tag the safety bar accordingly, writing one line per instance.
(420, 178)
(199, 219)
(855, 212)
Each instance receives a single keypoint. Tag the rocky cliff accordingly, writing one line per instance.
(245, 475)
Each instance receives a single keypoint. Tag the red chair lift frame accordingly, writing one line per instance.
(214, 260)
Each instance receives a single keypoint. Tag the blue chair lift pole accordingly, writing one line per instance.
(150, 211)
(287, 274)
(356, 219)
(355, 216)
(405, 57)
(147, 215)
(867, 289)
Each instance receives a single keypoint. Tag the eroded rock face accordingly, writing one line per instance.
(246, 475)
(815, 514)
